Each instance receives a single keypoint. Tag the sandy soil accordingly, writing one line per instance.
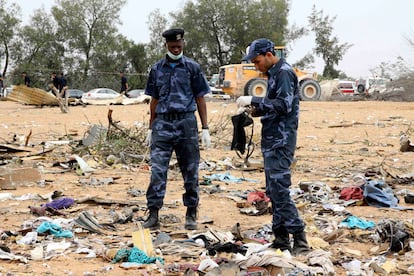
(337, 141)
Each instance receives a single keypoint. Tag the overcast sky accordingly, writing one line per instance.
(376, 28)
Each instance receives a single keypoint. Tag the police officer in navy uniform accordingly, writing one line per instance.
(279, 111)
(177, 87)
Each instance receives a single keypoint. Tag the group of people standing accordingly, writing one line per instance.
(177, 87)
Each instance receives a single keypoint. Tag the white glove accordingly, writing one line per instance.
(243, 101)
(148, 139)
(205, 138)
(240, 110)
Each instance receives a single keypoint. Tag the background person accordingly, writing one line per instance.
(279, 111)
(177, 87)
(55, 84)
(124, 83)
(26, 79)
(63, 87)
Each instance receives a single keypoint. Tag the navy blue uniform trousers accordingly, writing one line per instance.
(277, 164)
(178, 133)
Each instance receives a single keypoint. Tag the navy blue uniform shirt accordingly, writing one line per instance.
(280, 107)
(176, 87)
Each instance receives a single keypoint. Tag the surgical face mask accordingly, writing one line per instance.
(174, 57)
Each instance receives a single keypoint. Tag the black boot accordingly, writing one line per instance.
(300, 244)
(281, 240)
(191, 218)
(152, 222)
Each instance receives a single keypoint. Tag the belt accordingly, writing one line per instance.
(174, 116)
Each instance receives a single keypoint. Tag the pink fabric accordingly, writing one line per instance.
(257, 196)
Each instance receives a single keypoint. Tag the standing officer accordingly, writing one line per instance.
(177, 87)
(279, 111)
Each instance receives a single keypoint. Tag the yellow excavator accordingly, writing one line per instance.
(243, 79)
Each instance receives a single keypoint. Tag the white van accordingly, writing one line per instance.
(371, 85)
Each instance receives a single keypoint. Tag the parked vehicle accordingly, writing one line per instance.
(75, 93)
(347, 87)
(139, 94)
(371, 85)
(134, 93)
(100, 94)
(213, 81)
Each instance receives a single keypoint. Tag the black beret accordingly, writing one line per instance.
(173, 34)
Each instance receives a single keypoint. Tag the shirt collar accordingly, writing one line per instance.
(167, 62)
(275, 67)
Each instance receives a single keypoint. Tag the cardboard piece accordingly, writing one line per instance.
(11, 178)
(142, 240)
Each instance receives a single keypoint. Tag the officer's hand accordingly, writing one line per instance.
(148, 139)
(243, 101)
(205, 138)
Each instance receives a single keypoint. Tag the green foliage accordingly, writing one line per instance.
(9, 23)
(81, 39)
(327, 45)
(40, 52)
(157, 23)
(137, 56)
(218, 31)
(85, 25)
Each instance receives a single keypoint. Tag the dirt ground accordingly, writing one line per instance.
(337, 141)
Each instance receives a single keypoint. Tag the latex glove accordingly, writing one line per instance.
(243, 101)
(148, 139)
(205, 138)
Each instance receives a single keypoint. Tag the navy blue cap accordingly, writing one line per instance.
(173, 34)
(259, 46)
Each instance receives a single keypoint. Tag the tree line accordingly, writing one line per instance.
(82, 39)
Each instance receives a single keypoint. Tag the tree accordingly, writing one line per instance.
(39, 52)
(85, 25)
(9, 23)
(327, 46)
(400, 68)
(157, 24)
(139, 62)
(218, 31)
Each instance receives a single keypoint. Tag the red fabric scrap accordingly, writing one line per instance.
(349, 193)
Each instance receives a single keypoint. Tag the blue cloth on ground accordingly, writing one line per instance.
(355, 222)
(53, 228)
(135, 255)
(376, 193)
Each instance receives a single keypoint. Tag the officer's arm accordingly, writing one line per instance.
(202, 111)
(153, 105)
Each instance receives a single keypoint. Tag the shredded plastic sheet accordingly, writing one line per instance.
(226, 177)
